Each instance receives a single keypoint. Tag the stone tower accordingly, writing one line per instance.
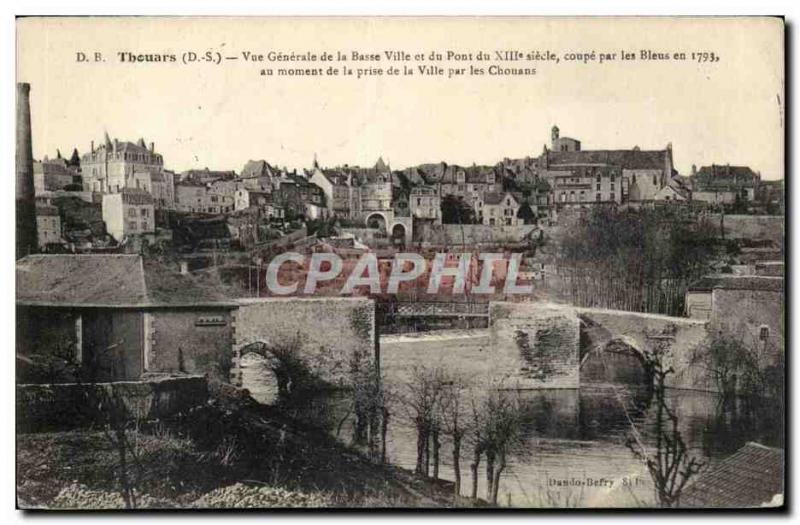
(25, 198)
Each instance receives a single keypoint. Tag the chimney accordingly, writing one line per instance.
(25, 197)
(152, 147)
(92, 147)
(116, 145)
(184, 267)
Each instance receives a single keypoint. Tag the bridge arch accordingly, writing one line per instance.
(253, 371)
(619, 360)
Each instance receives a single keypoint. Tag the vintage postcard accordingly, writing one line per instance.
(432, 262)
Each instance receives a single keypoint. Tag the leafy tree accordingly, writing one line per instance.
(456, 211)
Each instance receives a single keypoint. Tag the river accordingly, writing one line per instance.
(576, 451)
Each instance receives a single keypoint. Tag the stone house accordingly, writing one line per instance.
(499, 209)
(199, 197)
(48, 226)
(425, 203)
(52, 175)
(117, 317)
(129, 212)
(724, 184)
(750, 308)
(111, 166)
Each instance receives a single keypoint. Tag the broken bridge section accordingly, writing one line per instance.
(544, 345)
(333, 333)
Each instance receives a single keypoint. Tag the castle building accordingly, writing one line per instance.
(111, 167)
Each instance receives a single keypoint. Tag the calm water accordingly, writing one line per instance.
(576, 452)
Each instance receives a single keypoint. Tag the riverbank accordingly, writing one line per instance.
(229, 453)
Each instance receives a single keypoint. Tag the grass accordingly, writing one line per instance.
(233, 451)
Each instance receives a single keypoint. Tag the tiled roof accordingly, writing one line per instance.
(625, 158)
(497, 198)
(46, 209)
(136, 196)
(111, 281)
(751, 477)
(727, 172)
(257, 168)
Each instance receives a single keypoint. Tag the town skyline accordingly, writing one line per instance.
(66, 152)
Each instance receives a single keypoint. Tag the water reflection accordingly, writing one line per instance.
(577, 453)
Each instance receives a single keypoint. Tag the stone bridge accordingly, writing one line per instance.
(543, 345)
(331, 334)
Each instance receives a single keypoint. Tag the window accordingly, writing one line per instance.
(612, 178)
(612, 186)
(763, 332)
(598, 187)
(598, 198)
(131, 212)
(598, 178)
(655, 180)
(612, 197)
(131, 225)
(144, 225)
(145, 212)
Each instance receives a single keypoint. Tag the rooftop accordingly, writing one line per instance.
(625, 158)
(112, 281)
(751, 477)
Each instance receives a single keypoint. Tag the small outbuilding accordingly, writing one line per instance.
(117, 317)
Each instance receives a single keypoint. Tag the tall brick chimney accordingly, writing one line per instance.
(25, 198)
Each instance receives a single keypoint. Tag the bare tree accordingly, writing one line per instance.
(671, 467)
(455, 422)
(422, 398)
(496, 433)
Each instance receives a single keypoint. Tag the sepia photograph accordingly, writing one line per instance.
(471, 263)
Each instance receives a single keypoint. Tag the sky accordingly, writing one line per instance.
(221, 115)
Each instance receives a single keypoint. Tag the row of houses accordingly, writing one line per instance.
(134, 185)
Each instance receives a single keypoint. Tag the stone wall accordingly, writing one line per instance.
(753, 227)
(333, 332)
(472, 234)
(743, 313)
(73, 405)
(191, 341)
